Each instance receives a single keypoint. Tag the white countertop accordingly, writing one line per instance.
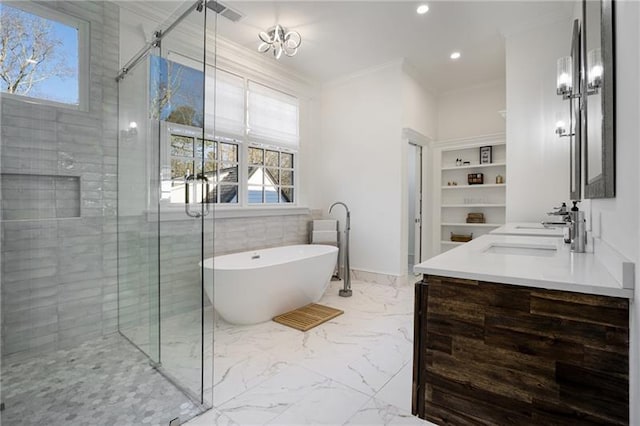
(560, 269)
(528, 229)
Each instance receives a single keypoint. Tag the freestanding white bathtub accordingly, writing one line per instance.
(255, 286)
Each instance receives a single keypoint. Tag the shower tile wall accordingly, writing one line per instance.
(59, 273)
(243, 234)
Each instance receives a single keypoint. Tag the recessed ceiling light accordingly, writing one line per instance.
(455, 55)
(422, 9)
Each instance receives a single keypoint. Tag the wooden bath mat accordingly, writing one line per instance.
(307, 317)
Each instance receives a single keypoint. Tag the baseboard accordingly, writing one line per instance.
(378, 278)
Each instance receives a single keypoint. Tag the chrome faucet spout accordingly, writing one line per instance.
(348, 227)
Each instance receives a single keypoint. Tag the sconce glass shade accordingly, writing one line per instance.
(595, 69)
(564, 85)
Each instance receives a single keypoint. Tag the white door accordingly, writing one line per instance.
(415, 205)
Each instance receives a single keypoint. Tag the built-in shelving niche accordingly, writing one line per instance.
(32, 197)
(456, 198)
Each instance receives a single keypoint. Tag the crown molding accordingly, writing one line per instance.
(448, 144)
(483, 85)
(229, 56)
(560, 14)
(396, 63)
(412, 72)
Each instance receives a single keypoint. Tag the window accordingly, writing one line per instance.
(216, 161)
(248, 155)
(46, 54)
(270, 176)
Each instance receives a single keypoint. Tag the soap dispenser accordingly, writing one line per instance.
(578, 229)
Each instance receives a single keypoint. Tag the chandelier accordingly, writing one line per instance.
(280, 40)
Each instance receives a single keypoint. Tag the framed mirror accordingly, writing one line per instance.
(575, 181)
(598, 98)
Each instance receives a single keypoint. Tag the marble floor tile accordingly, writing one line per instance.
(376, 412)
(327, 404)
(272, 397)
(212, 418)
(398, 390)
(271, 374)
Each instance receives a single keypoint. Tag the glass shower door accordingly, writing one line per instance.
(138, 233)
(165, 184)
(187, 181)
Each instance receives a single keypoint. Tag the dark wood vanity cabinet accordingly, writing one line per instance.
(487, 353)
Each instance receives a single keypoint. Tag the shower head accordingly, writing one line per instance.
(223, 10)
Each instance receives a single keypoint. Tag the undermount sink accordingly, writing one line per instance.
(539, 250)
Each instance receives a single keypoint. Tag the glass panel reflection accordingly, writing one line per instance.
(228, 173)
(228, 152)
(286, 160)
(286, 177)
(256, 156)
(181, 146)
(272, 176)
(286, 195)
(271, 158)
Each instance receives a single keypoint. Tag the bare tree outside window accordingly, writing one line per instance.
(33, 55)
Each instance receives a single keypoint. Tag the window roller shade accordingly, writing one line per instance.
(272, 116)
(224, 107)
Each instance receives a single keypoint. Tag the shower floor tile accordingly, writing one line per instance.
(105, 381)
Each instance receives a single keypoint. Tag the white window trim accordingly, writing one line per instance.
(84, 55)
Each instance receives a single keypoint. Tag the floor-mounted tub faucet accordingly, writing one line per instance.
(346, 290)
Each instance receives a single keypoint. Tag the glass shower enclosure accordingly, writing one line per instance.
(166, 160)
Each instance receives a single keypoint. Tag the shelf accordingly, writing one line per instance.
(473, 225)
(451, 243)
(485, 185)
(472, 205)
(474, 166)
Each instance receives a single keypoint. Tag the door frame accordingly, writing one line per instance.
(411, 136)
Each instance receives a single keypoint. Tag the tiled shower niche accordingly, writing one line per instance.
(30, 196)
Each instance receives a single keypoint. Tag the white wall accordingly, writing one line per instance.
(362, 159)
(419, 107)
(538, 160)
(617, 220)
(361, 164)
(471, 111)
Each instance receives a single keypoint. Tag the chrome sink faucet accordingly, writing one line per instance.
(559, 211)
(566, 221)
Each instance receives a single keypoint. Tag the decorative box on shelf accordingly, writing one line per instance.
(475, 178)
(461, 238)
(476, 218)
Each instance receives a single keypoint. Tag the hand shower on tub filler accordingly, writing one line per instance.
(346, 290)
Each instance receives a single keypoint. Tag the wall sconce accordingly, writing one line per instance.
(564, 80)
(561, 127)
(594, 71)
(131, 131)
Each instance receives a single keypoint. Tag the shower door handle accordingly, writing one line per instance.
(204, 198)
